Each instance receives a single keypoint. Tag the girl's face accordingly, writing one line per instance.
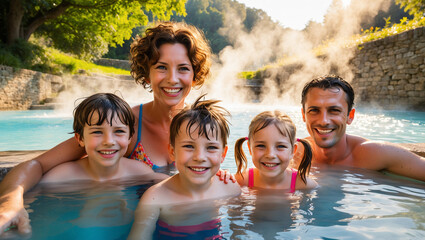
(171, 78)
(197, 158)
(271, 151)
(105, 144)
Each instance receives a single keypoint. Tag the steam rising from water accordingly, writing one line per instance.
(266, 43)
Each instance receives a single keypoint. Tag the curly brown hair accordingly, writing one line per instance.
(145, 50)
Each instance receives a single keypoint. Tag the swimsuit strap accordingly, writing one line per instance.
(251, 177)
(138, 152)
(139, 129)
(293, 180)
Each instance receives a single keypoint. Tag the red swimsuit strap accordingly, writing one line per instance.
(251, 177)
(293, 180)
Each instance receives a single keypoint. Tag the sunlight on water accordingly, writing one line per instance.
(349, 204)
(39, 130)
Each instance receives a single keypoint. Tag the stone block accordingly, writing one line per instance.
(419, 86)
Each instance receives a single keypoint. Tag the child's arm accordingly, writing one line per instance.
(145, 216)
(27, 174)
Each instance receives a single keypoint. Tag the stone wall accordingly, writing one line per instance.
(123, 64)
(21, 88)
(390, 72)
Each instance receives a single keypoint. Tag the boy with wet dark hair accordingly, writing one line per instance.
(198, 138)
(103, 125)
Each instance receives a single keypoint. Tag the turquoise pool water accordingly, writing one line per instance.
(349, 204)
(39, 130)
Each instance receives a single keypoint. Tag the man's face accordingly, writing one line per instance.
(326, 115)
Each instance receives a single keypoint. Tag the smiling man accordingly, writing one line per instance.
(327, 109)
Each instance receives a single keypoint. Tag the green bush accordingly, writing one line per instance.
(7, 58)
(22, 54)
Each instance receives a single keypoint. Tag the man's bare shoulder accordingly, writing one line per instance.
(383, 154)
(366, 146)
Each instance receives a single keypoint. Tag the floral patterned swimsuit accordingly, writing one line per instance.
(138, 152)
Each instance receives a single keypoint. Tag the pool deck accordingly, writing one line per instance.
(8, 159)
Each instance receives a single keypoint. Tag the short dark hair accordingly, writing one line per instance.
(327, 82)
(206, 116)
(102, 103)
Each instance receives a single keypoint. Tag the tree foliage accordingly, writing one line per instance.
(209, 16)
(415, 8)
(83, 27)
(321, 32)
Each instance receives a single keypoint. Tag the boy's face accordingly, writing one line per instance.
(197, 158)
(105, 144)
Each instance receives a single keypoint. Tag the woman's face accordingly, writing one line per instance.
(171, 78)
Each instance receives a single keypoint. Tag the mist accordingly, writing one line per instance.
(268, 43)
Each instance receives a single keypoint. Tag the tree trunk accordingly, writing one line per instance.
(40, 19)
(16, 12)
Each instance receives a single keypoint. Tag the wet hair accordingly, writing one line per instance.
(328, 82)
(285, 127)
(102, 104)
(144, 50)
(205, 117)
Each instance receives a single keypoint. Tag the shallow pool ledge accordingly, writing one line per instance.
(8, 159)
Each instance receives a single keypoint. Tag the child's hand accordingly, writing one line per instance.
(225, 176)
(11, 219)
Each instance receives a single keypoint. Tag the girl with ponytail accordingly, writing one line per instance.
(272, 144)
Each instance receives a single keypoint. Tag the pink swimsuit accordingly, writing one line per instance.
(293, 179)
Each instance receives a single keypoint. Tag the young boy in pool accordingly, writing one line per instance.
(103, 125)
(198, 145)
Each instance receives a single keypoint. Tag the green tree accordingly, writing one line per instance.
(209, 16)
(394, 12)
(415, 8)
(84, 27)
